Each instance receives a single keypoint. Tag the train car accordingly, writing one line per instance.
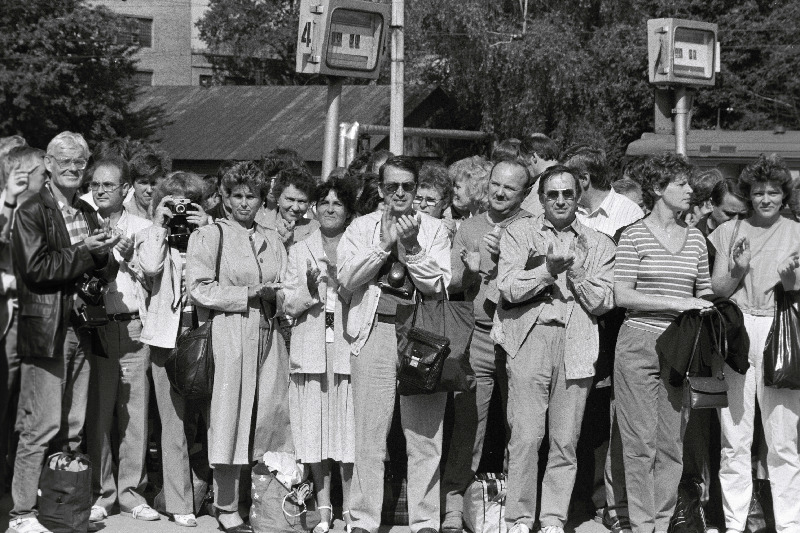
(729, 151)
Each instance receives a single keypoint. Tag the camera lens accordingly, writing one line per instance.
(180, 209)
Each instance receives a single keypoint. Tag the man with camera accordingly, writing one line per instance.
(58, 247)
(384, 257)
(119, 382)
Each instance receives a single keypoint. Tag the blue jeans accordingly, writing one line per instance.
(53, 393)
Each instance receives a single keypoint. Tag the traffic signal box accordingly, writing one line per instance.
(342, 37)
(682, 52)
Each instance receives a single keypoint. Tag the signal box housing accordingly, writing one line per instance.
(682, 52)
(345, 38)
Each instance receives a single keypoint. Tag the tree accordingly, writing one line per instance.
(62, 67)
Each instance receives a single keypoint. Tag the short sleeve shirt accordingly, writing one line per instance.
(768, 248)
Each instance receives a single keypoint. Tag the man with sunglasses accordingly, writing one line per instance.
(555, 276)
(476, 249)
(384, 258)
(57, 244)
(118, 382)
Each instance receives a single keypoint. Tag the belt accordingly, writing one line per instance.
(123, 317)
(386, 319)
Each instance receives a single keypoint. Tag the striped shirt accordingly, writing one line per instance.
(614, 213)
(642, 259)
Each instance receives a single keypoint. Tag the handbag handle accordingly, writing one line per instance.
(418, 298)
(211, 312)
(721, 341)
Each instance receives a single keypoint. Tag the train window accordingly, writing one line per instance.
(336, 38)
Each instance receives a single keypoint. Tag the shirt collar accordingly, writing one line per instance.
(545, 224)
(61, 205)
(605, 205)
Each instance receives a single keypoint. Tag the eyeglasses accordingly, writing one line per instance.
(407, 186)
(66, 162)
(567, 194)
(105, 187)
(425, 202)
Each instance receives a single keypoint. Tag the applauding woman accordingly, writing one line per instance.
(753, 256)
(249, 402)
(320, 393)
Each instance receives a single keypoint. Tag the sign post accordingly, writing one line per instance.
(682, 54)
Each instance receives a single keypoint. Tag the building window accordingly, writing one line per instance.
(137, 31)
(143, 78)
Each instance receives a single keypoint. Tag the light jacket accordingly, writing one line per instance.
(522, 274)
(307, 352)
(360, 257)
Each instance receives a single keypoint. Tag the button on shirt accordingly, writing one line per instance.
(614, 213)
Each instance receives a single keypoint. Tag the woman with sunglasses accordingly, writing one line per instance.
(753, 256)
(661, 270)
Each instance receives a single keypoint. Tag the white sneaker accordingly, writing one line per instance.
(552, 529)
(143, 512)
(98, 514)
(519, 527)
(28, 524)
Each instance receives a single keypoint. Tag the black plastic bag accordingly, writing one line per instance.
(782, 349)
(689, 516)
(65, 493)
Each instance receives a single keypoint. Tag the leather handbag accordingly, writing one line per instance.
(422, 356)
(708, 392)
(782, 349)
(190, 365)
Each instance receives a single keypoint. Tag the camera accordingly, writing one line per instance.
(91, 308)
(179, 226)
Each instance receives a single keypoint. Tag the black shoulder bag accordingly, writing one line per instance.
(190, 365)
(422, 356)
(708, 392)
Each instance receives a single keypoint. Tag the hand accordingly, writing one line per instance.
(388, 231)
(17, 183)
(163, 214)
(100, 242)
(269, 291)
(492, 241)
(580, 250)
(740, 254)
(408, 230)
(558, 262)
(687, 304)
(285, 229)
(125, 247)
(313, 277)
(471, 260)
(197, 216)
(788, 265)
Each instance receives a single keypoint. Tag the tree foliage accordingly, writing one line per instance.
(577, 72)
(62, 68)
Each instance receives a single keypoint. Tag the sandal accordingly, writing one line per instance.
(324, 525)
(185, 520)
(348, 528)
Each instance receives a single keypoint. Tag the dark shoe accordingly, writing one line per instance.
(427, 530)
(620, 524)
(239, 528)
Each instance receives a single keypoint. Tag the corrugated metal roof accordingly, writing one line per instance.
(721, 144)
(246, 122)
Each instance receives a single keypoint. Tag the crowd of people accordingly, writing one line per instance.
(574, 273)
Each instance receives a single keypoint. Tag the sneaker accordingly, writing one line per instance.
(98, 514)
(519, 527)
(185, 520)
(453, 522)
(28, 524)
(143, 512)
(552, 529)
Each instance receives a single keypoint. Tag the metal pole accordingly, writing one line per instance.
(682, 109)
(331, 126)
(398, 73)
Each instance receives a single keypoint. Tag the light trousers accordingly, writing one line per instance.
(780, 415)
(537, 384)
(119, 385)
(53, 395)
(651, 424)
(374, 375)
(614, 472)
(470, 410)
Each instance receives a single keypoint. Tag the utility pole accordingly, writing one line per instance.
(682, 108)
(397, 112)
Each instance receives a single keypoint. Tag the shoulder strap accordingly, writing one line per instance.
(219, 252)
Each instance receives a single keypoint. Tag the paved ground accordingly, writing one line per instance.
(207, 524)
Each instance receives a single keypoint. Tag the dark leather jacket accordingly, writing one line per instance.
(48, 270)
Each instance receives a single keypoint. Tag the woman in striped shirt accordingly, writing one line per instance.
(661, 268)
